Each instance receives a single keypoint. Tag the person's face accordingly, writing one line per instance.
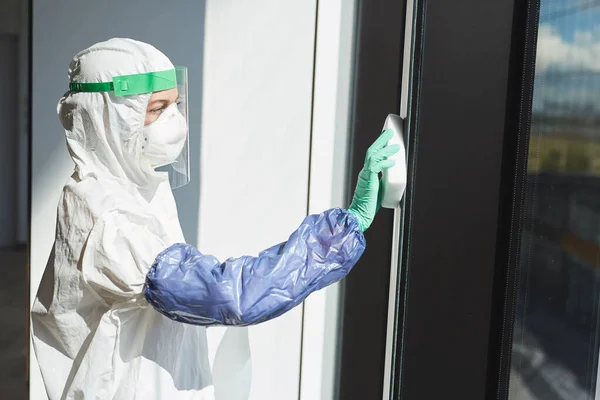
(159, 101)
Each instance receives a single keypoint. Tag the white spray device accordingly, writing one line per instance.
(394, 179)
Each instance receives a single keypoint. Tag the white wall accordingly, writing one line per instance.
(252, 68)
(256, 121)
(261, 111)
(329, 154)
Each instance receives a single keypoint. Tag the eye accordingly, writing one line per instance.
(157, 110)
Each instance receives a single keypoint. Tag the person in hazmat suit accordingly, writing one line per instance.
(123, 306)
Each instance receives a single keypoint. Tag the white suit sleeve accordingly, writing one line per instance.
(118, 254)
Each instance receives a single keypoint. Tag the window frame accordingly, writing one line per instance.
(375, 93)
(471, 63)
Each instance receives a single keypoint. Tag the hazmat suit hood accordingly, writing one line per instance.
(104, 131)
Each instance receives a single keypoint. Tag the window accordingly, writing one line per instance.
(555, 338)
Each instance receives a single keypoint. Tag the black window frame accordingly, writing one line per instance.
(378, 48)
(472, 64)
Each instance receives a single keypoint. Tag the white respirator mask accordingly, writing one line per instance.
(165, 138)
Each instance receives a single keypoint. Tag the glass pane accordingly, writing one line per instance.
(556, 334)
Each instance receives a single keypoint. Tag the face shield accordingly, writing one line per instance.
(179, 171)
(128, 85)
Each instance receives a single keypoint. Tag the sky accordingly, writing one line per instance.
(568, 57)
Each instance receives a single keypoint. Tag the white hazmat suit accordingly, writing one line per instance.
(124, 302)
(94, 334)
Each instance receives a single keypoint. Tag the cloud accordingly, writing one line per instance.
(582, 54)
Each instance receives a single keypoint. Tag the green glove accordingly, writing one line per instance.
(366, 200)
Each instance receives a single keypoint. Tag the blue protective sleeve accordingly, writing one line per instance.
(187, 286)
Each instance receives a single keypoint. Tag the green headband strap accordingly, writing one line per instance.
(126, 85)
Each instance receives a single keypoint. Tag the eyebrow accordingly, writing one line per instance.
(163, 101)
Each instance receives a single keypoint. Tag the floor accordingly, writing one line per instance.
(13, 335)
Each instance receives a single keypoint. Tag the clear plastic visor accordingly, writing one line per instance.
(179, 170)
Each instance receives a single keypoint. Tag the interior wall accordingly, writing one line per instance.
(13, 178)
(256, 129)
(23, 125)
(334, 55)
(8, 138)
(10, 22)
